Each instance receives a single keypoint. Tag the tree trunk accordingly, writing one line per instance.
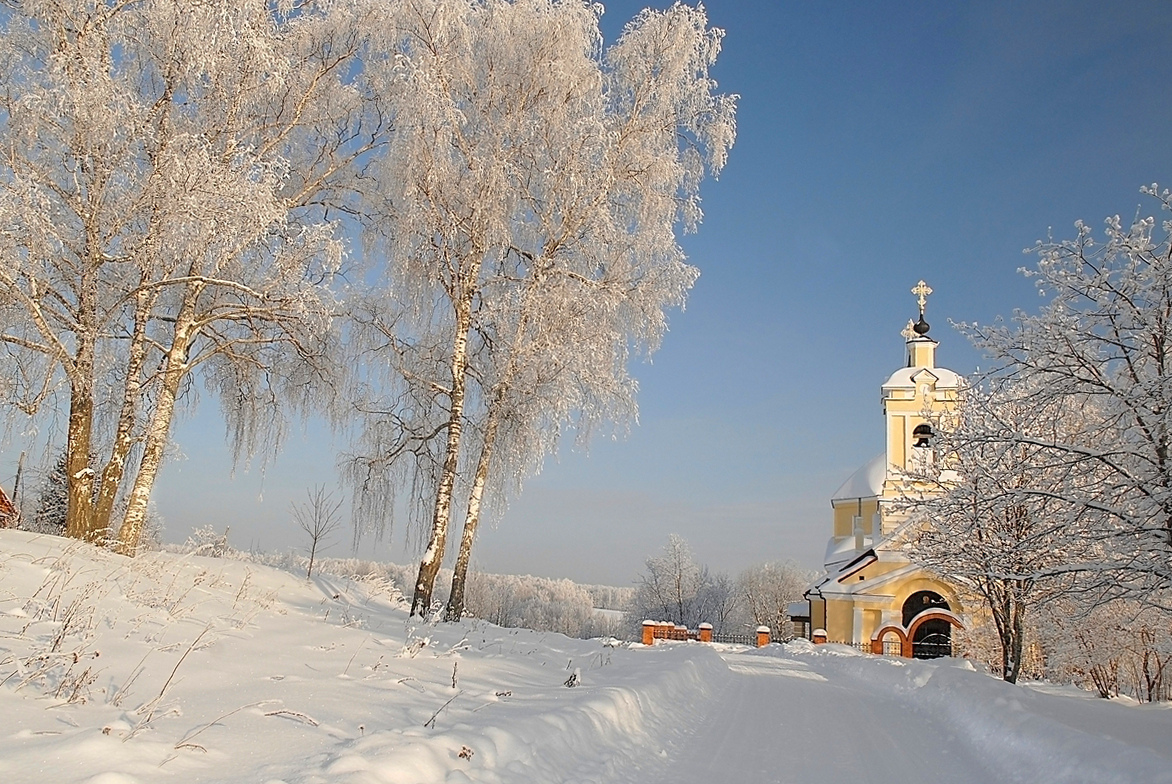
(429, 565)
(79, 475)
(174, 369)
(79, 522)
(455, 609)
(152, 458)
(112, 474)
(1009, 618)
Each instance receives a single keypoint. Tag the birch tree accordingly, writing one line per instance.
(164, 181)
(539, 184)
(676, 587)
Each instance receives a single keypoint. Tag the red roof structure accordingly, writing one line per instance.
(8, 513)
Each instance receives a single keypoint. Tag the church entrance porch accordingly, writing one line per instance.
(928, 620)
(926, 631)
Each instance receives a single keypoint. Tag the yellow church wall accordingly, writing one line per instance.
(840, 616)
(845, 512)
(923, 354)
(879, 569)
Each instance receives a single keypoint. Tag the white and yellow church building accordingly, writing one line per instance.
(872, 595)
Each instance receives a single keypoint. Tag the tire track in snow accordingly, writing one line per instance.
(780, 721)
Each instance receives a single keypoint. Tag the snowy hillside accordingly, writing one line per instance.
(192, 669)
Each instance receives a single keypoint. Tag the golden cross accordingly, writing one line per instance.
(909, 332)
(922, 291)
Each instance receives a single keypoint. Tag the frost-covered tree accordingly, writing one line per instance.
(531, 602)
(1122, 646)
(165, 173)
(534, 195)
(675, 587)
(983, 522)
(768, 589)
(1101, 350)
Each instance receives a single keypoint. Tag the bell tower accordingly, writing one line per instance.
(914, 395)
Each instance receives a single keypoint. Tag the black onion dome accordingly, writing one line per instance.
(921, 327)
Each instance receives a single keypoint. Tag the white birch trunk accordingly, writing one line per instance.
(155, 442)
(429, 565)
(115, 469)
(455, 608)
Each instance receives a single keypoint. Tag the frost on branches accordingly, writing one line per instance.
(165, 173)
(981, 522)
(1100, 352)
(533, 195)
(1059, 473)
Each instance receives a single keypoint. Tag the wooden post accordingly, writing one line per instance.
(649, 632)
(705, 632)
(762, 636)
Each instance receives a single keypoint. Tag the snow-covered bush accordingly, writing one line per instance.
(1120, 647)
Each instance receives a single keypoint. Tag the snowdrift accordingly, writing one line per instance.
(197, 669)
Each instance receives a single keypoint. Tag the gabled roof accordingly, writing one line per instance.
(907, 377)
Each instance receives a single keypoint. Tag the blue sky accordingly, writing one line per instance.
(878, 144)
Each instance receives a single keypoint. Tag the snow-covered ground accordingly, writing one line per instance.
(190, 669)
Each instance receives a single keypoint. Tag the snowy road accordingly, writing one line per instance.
(782, 720)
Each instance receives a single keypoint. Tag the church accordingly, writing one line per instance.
(872, 596)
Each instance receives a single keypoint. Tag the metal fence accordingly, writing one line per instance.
(890, 647)
(736, 639)
(931, 650)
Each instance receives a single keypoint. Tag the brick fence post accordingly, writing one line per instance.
(818, 636)
(762, 636)
(649, 632)
(705, 632)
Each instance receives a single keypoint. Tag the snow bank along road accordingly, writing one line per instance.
(171, 668)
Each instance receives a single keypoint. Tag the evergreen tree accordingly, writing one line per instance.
(52, 501)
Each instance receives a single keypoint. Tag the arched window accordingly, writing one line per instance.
(920, 601)
(922, 436)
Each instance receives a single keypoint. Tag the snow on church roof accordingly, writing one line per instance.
(904, 377)
(867, 482)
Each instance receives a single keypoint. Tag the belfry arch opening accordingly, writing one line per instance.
(931, 638)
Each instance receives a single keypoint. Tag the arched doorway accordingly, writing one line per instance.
(931, 638)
